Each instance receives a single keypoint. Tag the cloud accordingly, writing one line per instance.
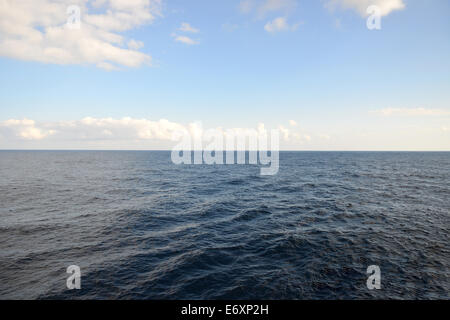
(113, 133)
(284, 132)
(360, 6)
(26, 129)
(276, 25)
(127, 128)
(91, 129)
(411, 112)
(185, 39)
(293, 123)
(186, 27)
(280, 24)
(135, 45)
(48, 31)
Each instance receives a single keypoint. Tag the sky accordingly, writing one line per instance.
(128, 73)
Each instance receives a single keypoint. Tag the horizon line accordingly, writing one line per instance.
(169, 150)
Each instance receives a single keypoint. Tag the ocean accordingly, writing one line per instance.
(141, 227)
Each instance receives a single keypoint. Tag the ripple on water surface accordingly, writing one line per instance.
(141, 227)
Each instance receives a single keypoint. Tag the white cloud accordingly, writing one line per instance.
(122, 15)
(293, 123)
(128, 128)
(186, 27)
(284, 132)
(411, 112)
(360, 6)
(124, 133)
(135, 45)
(26, 129)
(91, 129)
(280, 24)
(185, 39)
(276, 25)
(38, 31)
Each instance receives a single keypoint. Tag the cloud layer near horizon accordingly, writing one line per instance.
(393, 129)
(112, 133)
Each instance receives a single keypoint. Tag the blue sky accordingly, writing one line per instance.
(346, 87)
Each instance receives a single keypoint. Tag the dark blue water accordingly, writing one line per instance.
(141, 227)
